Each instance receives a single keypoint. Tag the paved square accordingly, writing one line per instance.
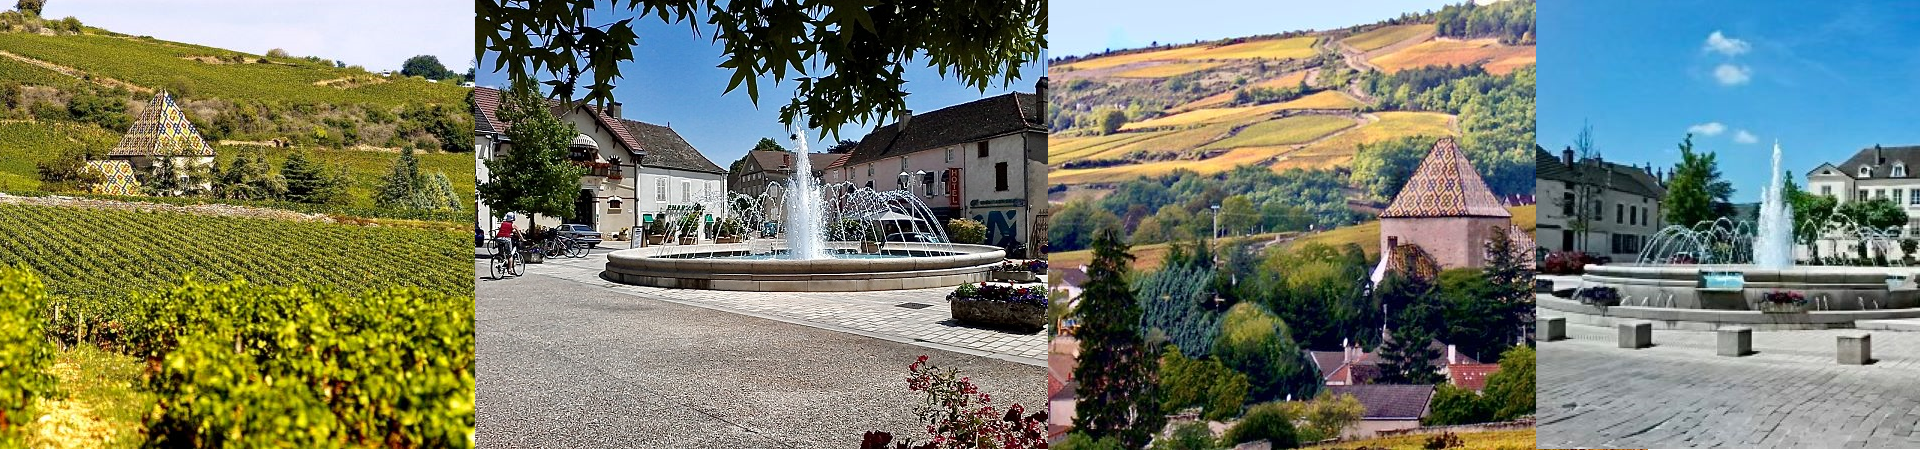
(1679, 394)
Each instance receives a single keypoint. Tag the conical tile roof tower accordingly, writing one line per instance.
(1445, 185)
(161, 130)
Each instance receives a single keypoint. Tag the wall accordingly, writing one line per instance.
(1442, 237)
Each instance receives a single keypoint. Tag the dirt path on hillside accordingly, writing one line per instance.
(77, 73)
(198, 210)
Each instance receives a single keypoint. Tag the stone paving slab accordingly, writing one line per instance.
(875, 314)
(1678, 394)
(1889, 325)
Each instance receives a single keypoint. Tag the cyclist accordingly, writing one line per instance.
(503, 239)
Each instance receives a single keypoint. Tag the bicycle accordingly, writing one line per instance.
(507, 263)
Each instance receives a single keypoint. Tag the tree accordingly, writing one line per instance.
(30, 7)
(535, 177)
(277, 53)
(1254, 342)
(1511, 390)
(248, 177)
(1118, 393)
(1407, 358)
(108, 112)
(310, 182)
(1081, 441)
(768, 145)
(68, 171)
(403, 185)
(1188, 436)
(1238, 216)
(1327, 415)
(1453, 405)
(844, 146)
(1696, 191)
(1112, 121)
(1272, 422)
(426, 66)
(849, 58)
(1879, 213)
(1205, 383)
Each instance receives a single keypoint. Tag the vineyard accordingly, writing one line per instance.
(100, 254)
(26, 144)
(154, 63)
(242, 365)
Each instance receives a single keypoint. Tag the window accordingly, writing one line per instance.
(999, 176)
(981, 148)
(613, 206)
(1566, 204)
(1896, 196)
(1866, 171)
(1619, 213)
(1860, 195)
(686, 191)
(945, 177)
(1879, 193)
(926, 181)
(660, 189)
(949, 155)
(1599, 212)
(1913, 196)
(1633, 216)
(1826, 190)
(1899, 170)
(903, 164)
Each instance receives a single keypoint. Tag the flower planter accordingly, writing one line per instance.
(727, 240)
(656, 239)
(1017, 276)
(869, 247)
(1782, 308)
(533, 257)
(993, 313)
(689, 240)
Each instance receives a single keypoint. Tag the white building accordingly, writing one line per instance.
(984, 160)
(1873, 172)
(1621, 204)
(615, 194)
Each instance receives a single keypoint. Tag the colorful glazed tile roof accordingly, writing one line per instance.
(116, 177)
(1445, 185)
(161, 129)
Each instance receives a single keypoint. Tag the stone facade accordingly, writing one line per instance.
(1446, 209)
(1621, 205)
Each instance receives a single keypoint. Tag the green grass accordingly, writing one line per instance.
(100, 403)
(111, 253)
(24, 145)
(16, 71)
(1484, 440)
(1285, 131)
(160, 64)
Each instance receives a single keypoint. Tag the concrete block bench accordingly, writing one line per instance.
(1855, 348)
(1556, 328)
(1735, 341)
(1635, 335)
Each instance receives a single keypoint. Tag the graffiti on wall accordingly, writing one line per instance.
(1003, 227)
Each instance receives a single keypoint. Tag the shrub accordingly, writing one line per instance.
(25, 354)
(249, 366)
(1080, 441)
(1188, 436)
(1254, 342)
(1267, 421)
(1206, 383)
(967, 231)
(955, 415)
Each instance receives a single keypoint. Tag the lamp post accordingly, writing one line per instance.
(1215, 239)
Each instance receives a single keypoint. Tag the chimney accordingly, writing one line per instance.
(1566, 156)
(1453, 355)
(906, 115)
(613, 109)
(1878, 158)
(786, 160)
(1040, 99)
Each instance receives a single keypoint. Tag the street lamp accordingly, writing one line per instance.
(1216, 226)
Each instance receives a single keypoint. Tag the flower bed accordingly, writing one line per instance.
(1782, 302)
(1019, 271)
(1602, 296)
(999, 306)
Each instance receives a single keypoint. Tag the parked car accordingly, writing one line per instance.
(922, 237)
(585, 233)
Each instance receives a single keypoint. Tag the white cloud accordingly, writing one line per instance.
(1743, 137)
(1707, 129)
(1720, 43)
(1732, 74)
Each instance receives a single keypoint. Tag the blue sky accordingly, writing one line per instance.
(1079, 27)
(1824, 79)
(673, 81)
(376, 34)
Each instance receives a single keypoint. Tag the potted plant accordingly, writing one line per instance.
(656, 232)
(1000, 306)
(1019, 271)
(690, 229)
(729, 231)
(1782, 302)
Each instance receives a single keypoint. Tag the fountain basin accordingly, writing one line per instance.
(1741, 287)
(721, 267)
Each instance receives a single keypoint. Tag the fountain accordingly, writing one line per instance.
(1733, 272)
(830, 237)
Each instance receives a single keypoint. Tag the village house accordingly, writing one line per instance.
(760, 168)
(984, 160)
(1604, 209)
(1446, 209)
(161, 133)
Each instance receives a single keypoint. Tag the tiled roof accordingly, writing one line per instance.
(1445, 185)
(1880, 161)
(770, 160)
(1327, 362)
(486, 102)
(1389, 401)
(958, 124)
(840, 161)
(116, 177)
(666, 149)
(1471, 376)
(1619, 177)
(1520, 239)
(161, 129)
(619, 130)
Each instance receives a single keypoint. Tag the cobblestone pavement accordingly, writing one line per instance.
(877, 314)
(1678, 394)
(563, 364)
